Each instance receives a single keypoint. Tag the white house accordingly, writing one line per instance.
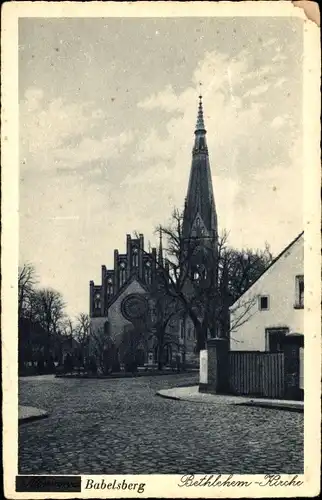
(273, 307)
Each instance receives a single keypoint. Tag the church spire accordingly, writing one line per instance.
(200, 208)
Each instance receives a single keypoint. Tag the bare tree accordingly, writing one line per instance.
(237, 271)
(100, 345)
(206, 280)
(50, 314)
(27, 281)
(81, 334)
(165, 309)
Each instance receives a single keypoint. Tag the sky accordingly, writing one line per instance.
(107, 110)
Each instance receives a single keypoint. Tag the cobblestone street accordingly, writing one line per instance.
(119, 426)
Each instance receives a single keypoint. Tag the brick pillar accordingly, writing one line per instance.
(129, 256)
(218, 365)
(103, 292)
(116, 271)
(154, 261)
(141, 253)
(91, 295)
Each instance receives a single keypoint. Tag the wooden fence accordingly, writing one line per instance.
(256, 373)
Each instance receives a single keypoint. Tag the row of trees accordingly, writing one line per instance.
(46, 333)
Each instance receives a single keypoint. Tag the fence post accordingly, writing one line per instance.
(218, 365)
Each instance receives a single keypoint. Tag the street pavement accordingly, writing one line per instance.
(120, 426)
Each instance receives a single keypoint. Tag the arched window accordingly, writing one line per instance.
(199, 273)
(97, 301)
(109, 287)
(196, 276)
(148, 273)
(135, 258)
(122, 273)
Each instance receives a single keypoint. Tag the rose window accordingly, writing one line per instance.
(134, 307)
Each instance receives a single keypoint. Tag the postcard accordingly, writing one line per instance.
(161, 216)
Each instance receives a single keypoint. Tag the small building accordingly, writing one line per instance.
(271, 312)
(265, 356)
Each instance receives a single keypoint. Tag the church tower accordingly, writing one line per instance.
(200, 232)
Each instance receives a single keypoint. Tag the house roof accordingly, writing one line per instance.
(270, 265)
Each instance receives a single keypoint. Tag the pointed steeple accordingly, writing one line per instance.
(200, 205)
(200, 131)
(160, 254)
(200, 127)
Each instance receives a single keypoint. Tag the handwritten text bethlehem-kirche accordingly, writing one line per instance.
(219, 480)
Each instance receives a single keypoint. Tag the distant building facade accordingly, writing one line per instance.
(126, 297)
(125, 300)
(272, 309)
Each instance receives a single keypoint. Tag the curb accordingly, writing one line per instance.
(275, 406)
(174, 398)
(255, 404)
(126, 375)
(26, 420)
(179, 398)
(35, 414)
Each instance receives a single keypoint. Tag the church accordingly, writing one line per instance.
(125, 304)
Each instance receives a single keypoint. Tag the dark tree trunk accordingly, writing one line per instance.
(201, 339)
(160, 356)
(201, 331)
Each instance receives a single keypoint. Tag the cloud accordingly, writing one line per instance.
(33, 98)
(89, 150)
(269, 42)
(281, 81)
(256, 91)
(279, 121)
(64, 135)
(279, 58)
(152, 147)
(166, 99)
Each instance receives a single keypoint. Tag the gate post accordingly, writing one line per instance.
(218, 365)
(203, 370)
(292, 369)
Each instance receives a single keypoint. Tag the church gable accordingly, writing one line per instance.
(131, 301)
(133, 287)
(198, 227)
